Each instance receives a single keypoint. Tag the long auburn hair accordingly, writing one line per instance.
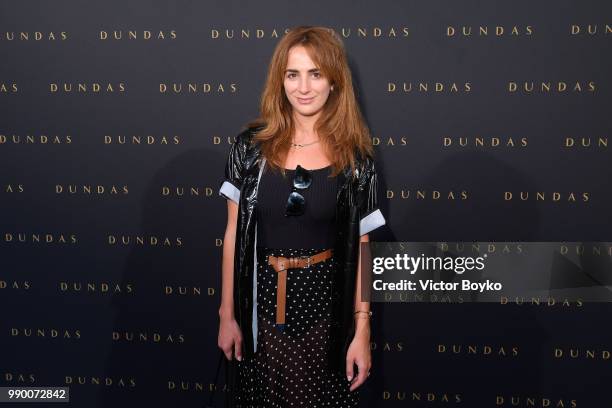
(341, 127)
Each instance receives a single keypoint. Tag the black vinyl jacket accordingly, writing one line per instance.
(357, 213)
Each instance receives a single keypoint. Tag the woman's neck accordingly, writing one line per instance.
(304, 128)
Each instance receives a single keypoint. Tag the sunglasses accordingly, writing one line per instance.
(296, 203)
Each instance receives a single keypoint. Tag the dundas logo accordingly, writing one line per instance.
(40, 238)
(141, 140)
(430, 397)
(484, 142)
(46, 333)
(35, 139)
(553, 196)
(192, 87)
(96, 288)
(34, 36)
(429, 194)
(548, 87)
(93, 87)
(91, 190)
(147, 337)
(426, 87)
(540, 301)
(484, 31)
(137, 35)
(138, 240)
(534, 402)
(100, 381)
(484, 350)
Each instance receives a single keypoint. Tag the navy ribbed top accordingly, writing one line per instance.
(316, 228)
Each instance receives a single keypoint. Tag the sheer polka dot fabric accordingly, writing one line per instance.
(290, 367)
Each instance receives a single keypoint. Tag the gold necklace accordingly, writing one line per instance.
(303, 145)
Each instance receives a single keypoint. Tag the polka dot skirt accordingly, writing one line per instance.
(290, 367)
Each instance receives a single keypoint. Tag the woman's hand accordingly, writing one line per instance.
(230, 337)
(359, 353)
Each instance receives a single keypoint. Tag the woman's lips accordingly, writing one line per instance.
(305, 101)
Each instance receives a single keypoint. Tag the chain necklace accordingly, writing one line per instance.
(303, 145)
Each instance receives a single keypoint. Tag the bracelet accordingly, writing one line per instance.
(369, 312)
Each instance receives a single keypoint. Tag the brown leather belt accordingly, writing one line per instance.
(280, 265)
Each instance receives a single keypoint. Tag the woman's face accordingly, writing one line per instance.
(305, 86)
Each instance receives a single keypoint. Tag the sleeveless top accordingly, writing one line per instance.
(316, 228)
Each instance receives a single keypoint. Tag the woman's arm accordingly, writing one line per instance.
(230, 336)
(362, 323)
(359, 351)
(227, 264)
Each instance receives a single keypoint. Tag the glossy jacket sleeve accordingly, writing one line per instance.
(230, 187)
(367, 199)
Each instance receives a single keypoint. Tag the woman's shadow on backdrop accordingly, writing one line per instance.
(424, 329)
(171, 320)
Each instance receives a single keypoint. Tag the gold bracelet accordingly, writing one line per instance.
(369, 312)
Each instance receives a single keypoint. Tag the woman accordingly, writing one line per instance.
(301, 188)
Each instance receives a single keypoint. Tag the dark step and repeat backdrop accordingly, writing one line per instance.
(491, 121)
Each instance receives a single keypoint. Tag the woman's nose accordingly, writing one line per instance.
(304, 86)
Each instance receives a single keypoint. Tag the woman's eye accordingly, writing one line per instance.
(293, 75)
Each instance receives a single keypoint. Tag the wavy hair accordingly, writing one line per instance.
(341, 127)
